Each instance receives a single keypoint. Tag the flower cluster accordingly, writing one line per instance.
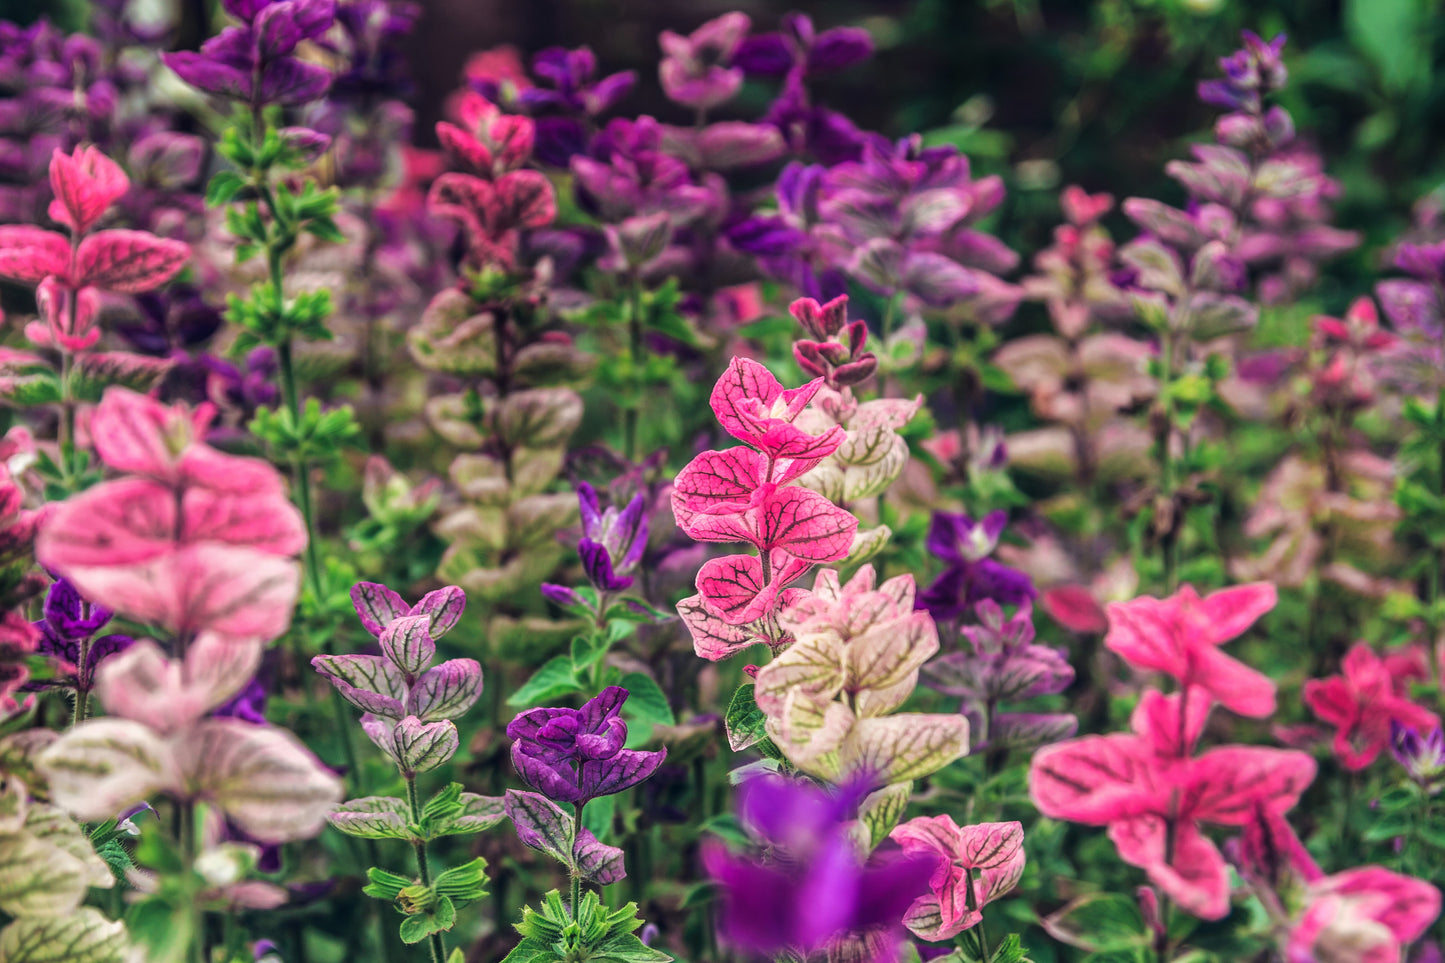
(744, 494)
(255, 61)
(409, 703)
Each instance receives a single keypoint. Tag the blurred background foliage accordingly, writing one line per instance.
(1045, 92)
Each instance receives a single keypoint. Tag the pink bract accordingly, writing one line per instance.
(987, 858)
(1153, 797)
(1180, 636)
(1362, 702)
(1365, 915)
(755, 409)
(86, 183)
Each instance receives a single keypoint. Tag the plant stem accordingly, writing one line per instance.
(438, 949)
(299, 474)
(576, 877)
(81, 707)
(637, 347)
(186, 831)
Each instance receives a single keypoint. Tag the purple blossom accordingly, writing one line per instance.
(68, 635)
(697, 70)
(255, 62)
(1251, 72)
(573, 755)
(797, 48)
(612, 541)
(811, 887)
(1422, 756)
(971, 576)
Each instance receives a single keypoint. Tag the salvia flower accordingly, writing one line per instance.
(573, 755)
(68, 631)
(409, 703)
(612, 541)
(1364, 915)
(255, 62)
(1251, 72)
(1423, 756)
(811, 888)
(975, 865)
(697, 70)
(1363, 702)
(965, 545)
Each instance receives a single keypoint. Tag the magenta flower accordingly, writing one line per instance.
(573, 755)
(1362, 703)
(1180, 636)
(1367, 915)
(814, 888)
(975, 866)
(1154, 795)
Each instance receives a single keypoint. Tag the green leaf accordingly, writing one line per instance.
(385, 885)
(1100, 923)
(465, 882)
(531, 951)
(476, 813)
(646, 702)
(224, 186)
(597, 816)
(553, 680)
(83, 936)
(1394, 35)
(744, 720)
(374, 817)
(1387, 826)
(626, 948)
(419, 926)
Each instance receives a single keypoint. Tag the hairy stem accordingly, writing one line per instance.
(438, 949)
(576, 876)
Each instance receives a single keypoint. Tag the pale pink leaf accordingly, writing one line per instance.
(735, 589)
(168, 695)
(422, 746)
(713, 638)
(446, 691)
(368, 682)
(261, 777)
(377, 605)
(445, 607)
(805, 525)
(408, 643)
(104, 766)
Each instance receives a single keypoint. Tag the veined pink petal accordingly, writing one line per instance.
(746, 386)
(734, 587)
(1097, 780)
(1233, 684)
(167, 695)
(1225, 785)
(128, 261)
(1195, 875)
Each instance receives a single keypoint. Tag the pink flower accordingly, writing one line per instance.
(754, 408)
(1362, 702)
(1364, 915)
(976, 865)
(1180, 636)
(86, 183)
(194, 540)
(1153, 795)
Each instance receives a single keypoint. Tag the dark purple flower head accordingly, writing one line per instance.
(798, 48)
(971, 576)
(1422, 756)
(254, 62)
(67, 635)
(372, 32)
(813, 887)
(1251, 72)
(573, 755)
(612, 541)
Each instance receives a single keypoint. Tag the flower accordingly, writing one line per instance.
(813, 888)
(67, 634)
(255, 62)
(573, 755)
(697, 70)
(1180, 636)
(1252, 71)
(1422, 756)
(612, 541)
(1153, 795)
(1363, 702)
(1364, 915)
(971, 576)
(975, 866)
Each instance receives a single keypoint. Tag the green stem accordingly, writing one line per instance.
(186, 831)
(81, 708)
(299, 474)
(1168, 484)
(637, 347)
(576, 877)
(438, 949)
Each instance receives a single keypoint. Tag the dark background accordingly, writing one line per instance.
(1046, 92)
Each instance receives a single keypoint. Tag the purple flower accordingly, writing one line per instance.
(797, 48)
(254, 62)
(573, 755)
(813, 887)
(697, 70)
(67, 635)
(1251, 72)
(612, 541)
(970, 576)
(1422, 756)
